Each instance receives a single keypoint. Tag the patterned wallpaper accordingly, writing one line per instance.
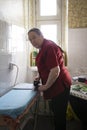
(77, 13)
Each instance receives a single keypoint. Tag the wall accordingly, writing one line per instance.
(77, 51)
(77, 37)
(12, 50)
(5, 82)
(77, 13)
(12, 44)
(12, 11)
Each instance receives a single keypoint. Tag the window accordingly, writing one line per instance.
(45, 11)
(49, 31)
(48, 19)
(51, 16)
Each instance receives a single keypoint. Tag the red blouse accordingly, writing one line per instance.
(50, 56)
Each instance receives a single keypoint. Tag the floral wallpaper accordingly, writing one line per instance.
(77, 13)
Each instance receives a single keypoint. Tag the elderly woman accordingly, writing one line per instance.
(56, 80)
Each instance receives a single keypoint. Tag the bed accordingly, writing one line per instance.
(16, 103)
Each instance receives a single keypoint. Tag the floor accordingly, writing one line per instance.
(45, 123)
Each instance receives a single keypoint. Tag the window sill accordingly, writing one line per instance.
(33, 68)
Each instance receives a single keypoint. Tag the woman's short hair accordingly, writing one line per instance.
(35, 30)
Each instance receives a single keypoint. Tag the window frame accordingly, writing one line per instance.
(57, 19)
(58, 28)
(52, 17)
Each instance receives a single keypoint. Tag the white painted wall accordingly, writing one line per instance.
(12, 11)
(5, 75)
(77, 51)
(12, 50)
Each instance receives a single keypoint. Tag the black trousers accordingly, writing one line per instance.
(59, 108)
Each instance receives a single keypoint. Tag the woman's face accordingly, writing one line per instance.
(35, 39)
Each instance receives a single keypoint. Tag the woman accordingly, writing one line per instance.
(56, 80)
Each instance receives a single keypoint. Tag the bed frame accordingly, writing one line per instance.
(15, 123)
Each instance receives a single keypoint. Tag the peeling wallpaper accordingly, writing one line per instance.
(77, 13)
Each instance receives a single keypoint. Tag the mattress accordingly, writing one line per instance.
(16, 100)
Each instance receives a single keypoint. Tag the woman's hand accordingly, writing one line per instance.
(42, 88)
(37, 78)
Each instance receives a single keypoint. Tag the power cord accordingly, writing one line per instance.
(11, 65)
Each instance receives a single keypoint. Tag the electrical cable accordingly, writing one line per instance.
(16, 74)
(11, 66)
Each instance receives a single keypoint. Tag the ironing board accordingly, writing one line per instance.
(16, 103)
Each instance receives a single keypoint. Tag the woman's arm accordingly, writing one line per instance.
(53, 75)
